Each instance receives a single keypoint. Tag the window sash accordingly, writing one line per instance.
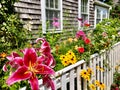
(84, 6)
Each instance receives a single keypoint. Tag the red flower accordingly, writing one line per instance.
(86, 23)
(81, 49)
(87, 40)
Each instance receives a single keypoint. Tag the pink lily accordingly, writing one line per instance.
(45, 51)
(29, 69)
(14, 61)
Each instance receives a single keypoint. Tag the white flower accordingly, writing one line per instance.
(0, 5)
(28, 26)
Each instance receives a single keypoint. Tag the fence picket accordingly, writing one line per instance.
(63, 82)
(72, 85)
(78, 78)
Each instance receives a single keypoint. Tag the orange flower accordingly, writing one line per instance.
(3, 55)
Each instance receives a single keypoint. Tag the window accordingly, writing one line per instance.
(100, 14)
(84, 9)
(51, 9)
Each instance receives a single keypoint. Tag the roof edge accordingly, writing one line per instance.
(102, 4)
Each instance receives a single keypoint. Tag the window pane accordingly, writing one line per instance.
(104, 14)
(84, 6)
(98, 14)
(56, 3)
(57, 14)
(84, 17)
(51, 3)
(47, 3)
(53, 11)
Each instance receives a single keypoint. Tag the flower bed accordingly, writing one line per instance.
(39, 59)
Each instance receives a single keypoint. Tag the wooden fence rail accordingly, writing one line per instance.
(69, 77)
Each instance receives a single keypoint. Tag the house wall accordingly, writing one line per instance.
(30, 10)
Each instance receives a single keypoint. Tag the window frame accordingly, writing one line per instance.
(101, 14)
(43, 16)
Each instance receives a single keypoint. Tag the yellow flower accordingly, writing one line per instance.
(62, 57)
(99, 68)
(117, 68)
(92, 87)
(76, 47)
(97, 82)
(73, 60)
(64, 42)
(102, 85)
(3, 55)
(65, 62)
(70, 53)
(70, 40)
(89, 70)
(75, 39)
(84, 74)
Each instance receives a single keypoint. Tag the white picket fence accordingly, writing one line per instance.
(69, 77)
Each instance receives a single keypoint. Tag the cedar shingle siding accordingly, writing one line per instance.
(70, 13)
(91, 12)
(29, 10)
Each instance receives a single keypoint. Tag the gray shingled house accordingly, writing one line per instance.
(41, 11)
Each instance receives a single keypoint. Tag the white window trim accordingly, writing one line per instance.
(79, 12)
(43, 16)
(101, 16)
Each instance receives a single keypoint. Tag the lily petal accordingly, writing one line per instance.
(34, 83)
(19, 75)
(12, 56)
(5, 68)
(40, 59)
(43, 69)
(19, 61)
(48, 82)
(30, 56)
(49, 60)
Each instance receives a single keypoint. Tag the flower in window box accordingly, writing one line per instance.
(81, 49)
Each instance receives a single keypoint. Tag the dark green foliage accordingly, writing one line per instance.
(12, 34)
